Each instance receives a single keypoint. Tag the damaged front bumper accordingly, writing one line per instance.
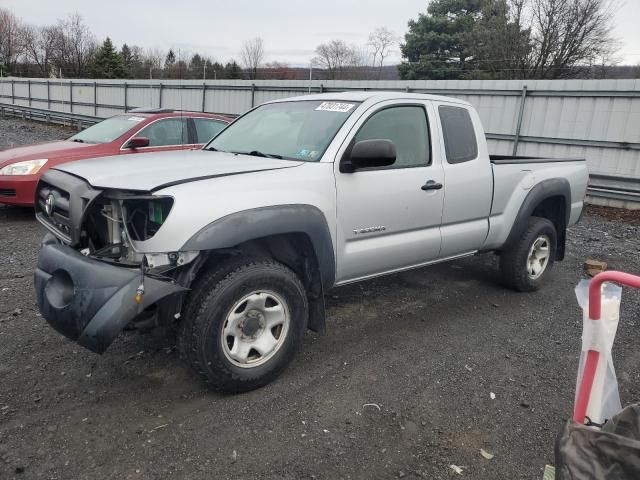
(90, 301)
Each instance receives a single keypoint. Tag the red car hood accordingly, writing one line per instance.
(63, 150)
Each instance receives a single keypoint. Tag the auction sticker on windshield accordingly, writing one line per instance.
(335, 107)
(135, 119)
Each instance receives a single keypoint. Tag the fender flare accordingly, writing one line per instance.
(255, 223)
(552, 187)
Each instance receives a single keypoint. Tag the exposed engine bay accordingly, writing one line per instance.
(115, 225)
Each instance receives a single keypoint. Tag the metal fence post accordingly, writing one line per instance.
(204, 95)
(160, 96)
(516, 139)
(71, 96)
(253, 95)
(48, 95)
(95, 99)
(13, 93)
(125, 97)
(321, 88)
(29, 91)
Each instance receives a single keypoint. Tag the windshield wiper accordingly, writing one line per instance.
(79, 140)
(257, 153)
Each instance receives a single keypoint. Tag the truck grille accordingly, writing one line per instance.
(62, 200)
(7, 192)
(53, 203)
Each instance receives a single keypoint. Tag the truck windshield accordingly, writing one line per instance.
(108, 130)
(300, 130)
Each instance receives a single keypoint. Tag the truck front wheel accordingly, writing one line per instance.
(246, 325)
(526, 263)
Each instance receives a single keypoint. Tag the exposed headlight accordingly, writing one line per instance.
(28, 167)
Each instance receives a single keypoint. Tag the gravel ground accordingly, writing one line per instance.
(15, 132)
(399, 386)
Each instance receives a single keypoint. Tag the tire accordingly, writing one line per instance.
(518, 267)
(244, 323)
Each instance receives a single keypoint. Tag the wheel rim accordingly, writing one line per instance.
(538, 258)
(255, 329)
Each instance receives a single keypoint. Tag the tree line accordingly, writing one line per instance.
(453, 39)
(69, 49)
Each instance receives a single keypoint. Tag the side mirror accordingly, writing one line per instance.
(137, 142)
(369, 154)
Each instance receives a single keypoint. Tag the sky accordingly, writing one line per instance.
(291, 29)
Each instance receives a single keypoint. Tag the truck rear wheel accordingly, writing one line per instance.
(526, 264)
(246, 325)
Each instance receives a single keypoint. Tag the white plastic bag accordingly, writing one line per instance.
(599, 335)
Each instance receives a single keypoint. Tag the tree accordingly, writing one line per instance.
(74, 46)
(501, 42)
(252, 55)
(233, 70)
(198, 66)
(170, 59)
(38, 44)
(131, 60)
(439, 44)
(10, 28)
(334, 56)
(380, 41)
(567, 35)
(107, 62)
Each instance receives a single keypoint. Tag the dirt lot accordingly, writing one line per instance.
(400, 386)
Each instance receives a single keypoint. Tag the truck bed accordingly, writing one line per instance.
(510, 159)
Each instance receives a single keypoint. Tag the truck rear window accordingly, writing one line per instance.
(459, 135)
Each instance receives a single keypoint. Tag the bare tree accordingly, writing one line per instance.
(334, 56)
(566, 35)
(10, 43)
(39, 46)
(74, 45)
(380, 41)
(252, 55)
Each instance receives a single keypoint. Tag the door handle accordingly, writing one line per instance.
(431, 185)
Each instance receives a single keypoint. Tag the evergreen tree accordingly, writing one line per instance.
(128, 60)
(233, 70)
(170, 60)
(107, 62)
(440, 44)
(196, 66)
(216, 71)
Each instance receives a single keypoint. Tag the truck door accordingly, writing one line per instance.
(389, 217)
(468, 178)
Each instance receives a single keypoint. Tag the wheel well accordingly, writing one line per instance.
(295, 250)
(554, 209)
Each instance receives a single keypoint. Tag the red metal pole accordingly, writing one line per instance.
(589, 373)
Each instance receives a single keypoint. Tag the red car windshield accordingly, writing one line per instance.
(108, 130)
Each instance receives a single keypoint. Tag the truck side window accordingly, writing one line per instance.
(407, 128)
(459, 135)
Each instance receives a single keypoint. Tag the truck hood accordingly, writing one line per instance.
(50, 150)
(153, 171)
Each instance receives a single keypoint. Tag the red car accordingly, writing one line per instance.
(135, 132)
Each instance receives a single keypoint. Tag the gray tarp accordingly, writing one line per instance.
(612, 453)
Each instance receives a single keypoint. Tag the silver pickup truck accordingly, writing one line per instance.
(237, 244)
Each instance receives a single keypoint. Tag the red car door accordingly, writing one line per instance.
(164, 134)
